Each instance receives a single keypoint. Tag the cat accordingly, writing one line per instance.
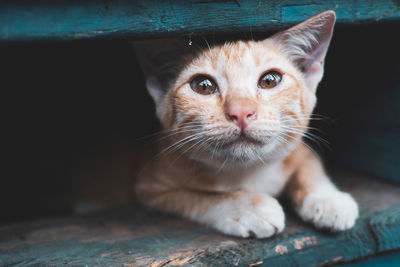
(234, 116)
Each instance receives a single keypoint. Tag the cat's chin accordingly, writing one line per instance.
(243, 152)
(248, 151)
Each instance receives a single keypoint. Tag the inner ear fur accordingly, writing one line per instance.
(306, 45)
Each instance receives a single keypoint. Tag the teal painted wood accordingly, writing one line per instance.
(70, 20)
(138, 237)
(384, 260)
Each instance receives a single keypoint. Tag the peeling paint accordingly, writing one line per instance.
(158, 263)
(281, 249)
(300, 243)
(87, 34)
(337, 259)
(256, 263)
(179, 262)
(176, 242)
(138, 263)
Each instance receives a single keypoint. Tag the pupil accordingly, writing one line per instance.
(270, 80)
(204, 84)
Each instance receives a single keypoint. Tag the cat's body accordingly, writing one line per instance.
(234, 116)
(242, 202)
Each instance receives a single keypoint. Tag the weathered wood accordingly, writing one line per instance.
(391, 258)
(70, 20)
(138, 237)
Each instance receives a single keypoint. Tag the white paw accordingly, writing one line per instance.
(250, 214)
(334, 210)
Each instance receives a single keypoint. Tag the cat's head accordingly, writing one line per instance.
(241, 102)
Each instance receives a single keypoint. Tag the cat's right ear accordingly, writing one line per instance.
(306, 45)
(160, 61)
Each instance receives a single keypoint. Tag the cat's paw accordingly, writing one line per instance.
(336, 211)
(251, 214)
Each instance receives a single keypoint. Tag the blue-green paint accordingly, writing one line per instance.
(84, 19)
(383, 260)
(135, 235)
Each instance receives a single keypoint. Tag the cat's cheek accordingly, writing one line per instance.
(164, 112)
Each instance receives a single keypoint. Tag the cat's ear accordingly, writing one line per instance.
(160, 61)
(306, 45)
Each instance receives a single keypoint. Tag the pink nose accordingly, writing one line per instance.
(241, 113)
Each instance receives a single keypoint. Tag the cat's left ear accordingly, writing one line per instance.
(161, 61)
(306, 45)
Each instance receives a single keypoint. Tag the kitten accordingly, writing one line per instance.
(234, 116)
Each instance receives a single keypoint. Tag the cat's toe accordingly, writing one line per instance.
(336, 211)
(249, 225)
(257, 216)
(258, 227)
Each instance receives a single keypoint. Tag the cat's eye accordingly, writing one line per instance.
(203, 85)
(270, 80)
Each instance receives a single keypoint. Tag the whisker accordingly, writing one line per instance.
(182, 142)
(308, 135)
(208, 45)
(185, 126)
(222, 165)
(301, 141)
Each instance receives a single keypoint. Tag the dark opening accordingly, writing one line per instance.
(66, 104)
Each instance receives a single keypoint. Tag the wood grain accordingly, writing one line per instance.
(84, 19)
(133, 236)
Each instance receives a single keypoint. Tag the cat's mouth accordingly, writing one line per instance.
(244, 139)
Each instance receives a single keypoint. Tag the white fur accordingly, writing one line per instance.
(269, 179)
(239, 217)
(329, 209)
(154, 88)
(306, 44)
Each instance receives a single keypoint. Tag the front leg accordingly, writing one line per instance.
(317, 200)
(239, 213)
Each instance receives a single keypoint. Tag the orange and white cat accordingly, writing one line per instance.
(234, 117)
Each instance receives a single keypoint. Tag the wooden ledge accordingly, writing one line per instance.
(134, 236)
(73, 20)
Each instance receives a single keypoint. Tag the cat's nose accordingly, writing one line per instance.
(241, 113)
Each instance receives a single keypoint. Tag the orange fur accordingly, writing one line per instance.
(209, 169)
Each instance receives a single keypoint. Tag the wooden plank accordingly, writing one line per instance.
(71, 20)
(138, 237)
(385, 259)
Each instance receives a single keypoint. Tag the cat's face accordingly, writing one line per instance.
(241, 101)
(248, 101)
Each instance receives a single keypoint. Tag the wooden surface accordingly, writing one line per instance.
(133, 236)
(83, 19)
(391, 258)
